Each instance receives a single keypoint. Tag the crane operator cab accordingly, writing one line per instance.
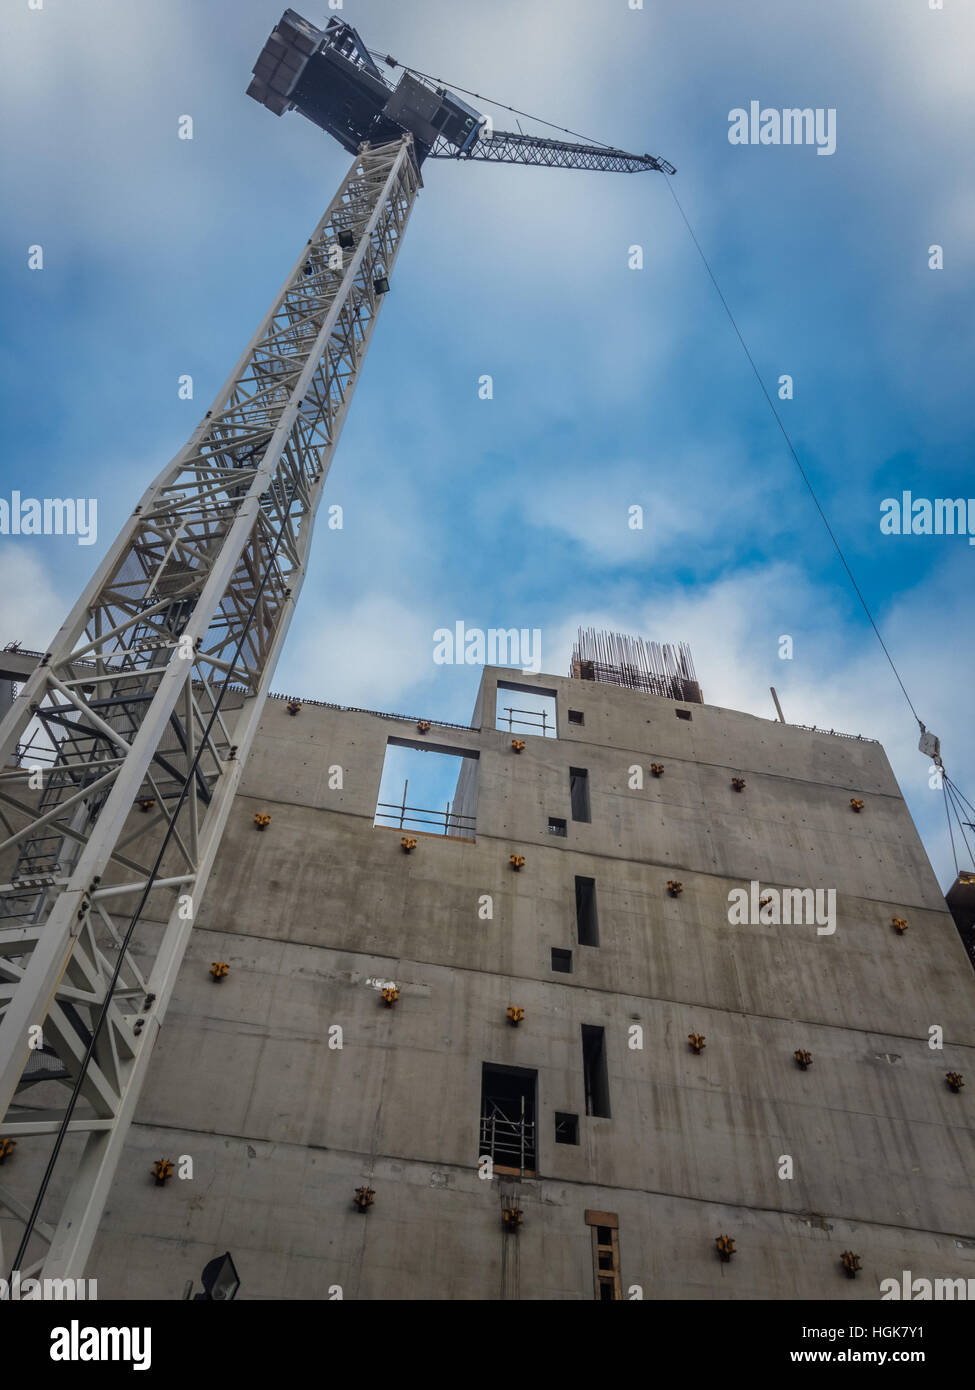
(331, 77)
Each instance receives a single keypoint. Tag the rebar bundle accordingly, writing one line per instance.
(617, 658)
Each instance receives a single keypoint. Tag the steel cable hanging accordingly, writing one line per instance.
(958, 792)
(751, 361)
(272, 569)
(950, 788)
(792, 450)
(392, 62)
(951, 833)
(954, 795)
(453, 87)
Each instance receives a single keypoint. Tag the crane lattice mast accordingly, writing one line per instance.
(150, 695)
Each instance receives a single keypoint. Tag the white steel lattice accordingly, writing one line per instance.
(148, 699)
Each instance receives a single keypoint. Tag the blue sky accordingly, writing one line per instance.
(612, 387)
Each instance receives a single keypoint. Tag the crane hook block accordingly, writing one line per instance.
(930, 746)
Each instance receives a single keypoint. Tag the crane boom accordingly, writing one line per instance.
(505, 147)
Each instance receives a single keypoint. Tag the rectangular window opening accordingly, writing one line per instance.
(507, 1131)
(428, 789)
(526, 709)
(587, 924)
(682, 713)
(576, 716)
(595, 1074)
(566, 1128)
(556, 826)
(562, 960)
(579, 793)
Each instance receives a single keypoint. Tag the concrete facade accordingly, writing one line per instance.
(282, 1127)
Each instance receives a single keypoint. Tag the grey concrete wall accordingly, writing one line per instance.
(281, 1127)
(465, 794)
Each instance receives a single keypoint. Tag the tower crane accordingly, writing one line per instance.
(148, 699)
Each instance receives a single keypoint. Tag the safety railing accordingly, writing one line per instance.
(538, 722)
(404, 817)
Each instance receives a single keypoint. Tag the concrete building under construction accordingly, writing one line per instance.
(665, 1003)
(541, 1055)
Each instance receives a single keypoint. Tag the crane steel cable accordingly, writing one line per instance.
(792, 450)
(958, 792)
(955, 796)
(950, 789)
(453, 87)
(951, 833)
(751, 361)
(771, 405)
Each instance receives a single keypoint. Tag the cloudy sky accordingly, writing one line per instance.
(612, 387)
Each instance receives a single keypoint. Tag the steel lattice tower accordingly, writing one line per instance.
(149, 699)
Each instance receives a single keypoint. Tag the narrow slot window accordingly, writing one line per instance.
(587, 925)
(579, 793)
(595, 1074)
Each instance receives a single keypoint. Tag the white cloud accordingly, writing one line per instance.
(677, 490)
(383, 647)
(31, 609)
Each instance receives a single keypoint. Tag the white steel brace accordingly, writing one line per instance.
(148, 702)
